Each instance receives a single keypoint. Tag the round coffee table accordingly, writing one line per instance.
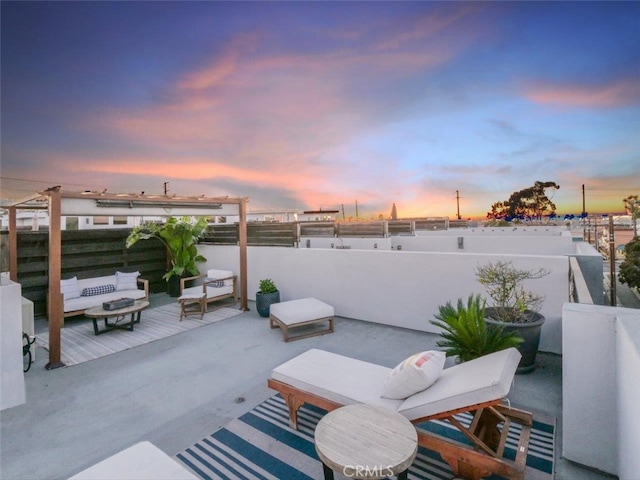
(365, 442)
(98, 312)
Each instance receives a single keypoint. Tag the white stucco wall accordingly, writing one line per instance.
(400, 288)
(601, 387)
(12, 390)
(589, 385)
(628, 381)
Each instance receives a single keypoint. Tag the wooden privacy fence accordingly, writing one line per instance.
(287, 234)
(85, 254)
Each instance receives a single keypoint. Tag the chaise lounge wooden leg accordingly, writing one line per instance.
(293, 404)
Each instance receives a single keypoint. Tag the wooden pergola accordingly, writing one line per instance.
(61, 203)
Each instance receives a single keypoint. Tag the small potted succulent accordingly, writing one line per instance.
(513, 307)
(267, 295)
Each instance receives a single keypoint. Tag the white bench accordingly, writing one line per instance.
(142, 461)
(300, 313)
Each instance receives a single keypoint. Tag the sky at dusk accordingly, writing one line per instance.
(308, 105)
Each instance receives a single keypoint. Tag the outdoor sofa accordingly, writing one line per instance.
(80, 294)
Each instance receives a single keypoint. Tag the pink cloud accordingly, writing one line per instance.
(615, 94)
(431, 25)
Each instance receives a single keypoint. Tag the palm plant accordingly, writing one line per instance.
(466, 334)
(180, 236)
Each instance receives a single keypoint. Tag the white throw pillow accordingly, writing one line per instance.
(127, 281)
(416, 373)
(69, 288)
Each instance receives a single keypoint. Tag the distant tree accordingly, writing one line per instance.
(531, 202)
(633, 206)
(630, 267)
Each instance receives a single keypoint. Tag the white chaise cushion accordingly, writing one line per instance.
(341, 379)
(481, 380)
(414, 374)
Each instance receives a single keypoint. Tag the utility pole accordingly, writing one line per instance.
(356, 209)
(166, 184)
(343, 217)
(458, 203)
(584, 213)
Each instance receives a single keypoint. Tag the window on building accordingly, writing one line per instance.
(71, 223)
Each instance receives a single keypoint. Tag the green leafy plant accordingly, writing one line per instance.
(180, 236)
(511, 302)
(268, 286)
(630, 267)
(467, 334)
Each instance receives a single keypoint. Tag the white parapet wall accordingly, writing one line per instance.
(400, 288)
(12, 389)
(601, 388)
(628, 383)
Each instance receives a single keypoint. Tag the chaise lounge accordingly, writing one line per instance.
(329, 381)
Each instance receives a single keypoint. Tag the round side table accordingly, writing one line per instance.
(365, 442)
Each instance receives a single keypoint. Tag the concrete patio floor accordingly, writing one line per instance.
(176, 391)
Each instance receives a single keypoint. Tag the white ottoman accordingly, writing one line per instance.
(299, 313)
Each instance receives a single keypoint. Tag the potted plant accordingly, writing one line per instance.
(267, 295)
(514, 307)
(466, 335)
(180, 236)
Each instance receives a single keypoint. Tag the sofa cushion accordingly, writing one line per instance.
(214, 274)
(127, 281)
(212, 292)
(69, 288)
(98, 290)
(95, 281)
(414, 374)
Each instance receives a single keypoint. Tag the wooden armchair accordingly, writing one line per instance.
(216, 285)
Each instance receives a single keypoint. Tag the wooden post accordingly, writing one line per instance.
(55, 310)
(242, 237)
(612, 263)
(13, 244)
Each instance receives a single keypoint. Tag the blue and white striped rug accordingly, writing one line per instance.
(260, 445)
